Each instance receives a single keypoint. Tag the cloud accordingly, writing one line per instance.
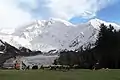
(11, 15)
(82, 8)
(67, 9)
(17, 12)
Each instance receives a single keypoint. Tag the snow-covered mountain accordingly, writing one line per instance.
(54, 34)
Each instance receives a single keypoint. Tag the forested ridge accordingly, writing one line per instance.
(104, 54)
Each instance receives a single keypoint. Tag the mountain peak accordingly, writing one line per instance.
(97, 22)
(67, 23)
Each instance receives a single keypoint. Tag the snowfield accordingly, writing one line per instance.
(53, 34)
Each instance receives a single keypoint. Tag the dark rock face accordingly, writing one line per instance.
(7, 51)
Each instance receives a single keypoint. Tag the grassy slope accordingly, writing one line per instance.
(59, 75)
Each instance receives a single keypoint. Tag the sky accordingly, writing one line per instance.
(14, 13)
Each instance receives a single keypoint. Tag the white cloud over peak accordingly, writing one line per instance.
(66, 9)
(16, 12)
(11, 16)
(82, 8)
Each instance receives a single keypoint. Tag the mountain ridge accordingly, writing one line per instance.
(55, 34)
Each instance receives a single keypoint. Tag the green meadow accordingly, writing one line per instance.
(60, 75)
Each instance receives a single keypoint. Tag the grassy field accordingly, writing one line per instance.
(59, 75)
